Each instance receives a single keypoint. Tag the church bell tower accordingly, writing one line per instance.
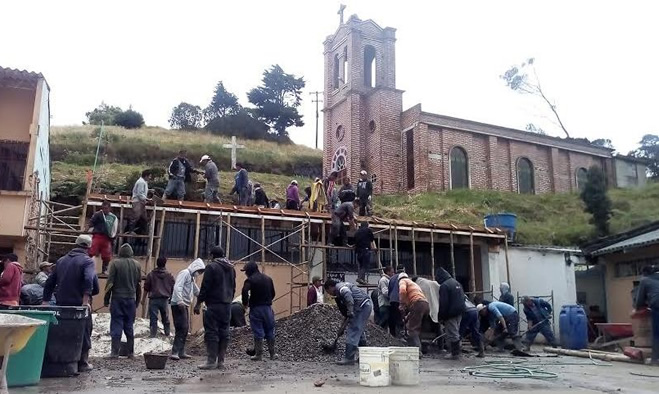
(362, 106)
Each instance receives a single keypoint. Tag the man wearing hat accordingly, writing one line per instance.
(76, 282)
(293, 196)
(365, 194)
(217, 291)
(211, 192)
(315, 293)
(45, 269)
(258, 293)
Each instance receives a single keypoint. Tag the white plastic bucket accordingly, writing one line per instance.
(404, 366)
(374, 366)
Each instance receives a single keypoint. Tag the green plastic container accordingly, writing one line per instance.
(24, 367)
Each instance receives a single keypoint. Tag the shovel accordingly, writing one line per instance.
(331, 347)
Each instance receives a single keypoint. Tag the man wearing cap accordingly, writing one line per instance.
(103, 226)
(217, 291)
(76, 282)
(180, 171)
(211, 192)
(45, 269)
(293, 196)
(344, 213)
(505, 319)
(258, 293)
(365, 194)
(260, 197)
(315, 292)
(358, 306)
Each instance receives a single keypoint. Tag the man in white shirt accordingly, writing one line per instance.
(139, 219)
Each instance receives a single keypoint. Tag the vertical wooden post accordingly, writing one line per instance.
(37, 238)
(49, 223)
(228, 248)
(197, 231)
(263, 243)
(391, 247)
(505, 245)
(83, 216)
(290, 308)
(379, 252)
(432, 252)
(161, 232)
(413, 252)
(152, 228)
(396, 244)
(323, 240)
(472, 268)
(121, 222)
(452, 253)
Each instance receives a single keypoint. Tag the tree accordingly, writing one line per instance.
(129, 119)
(103, 113)
(186, 117)
(242, 125)
(223, 103)
(649, 150)
(596, 199)
(519, 80)
(277, 100)
(531, 128)
(603, 142)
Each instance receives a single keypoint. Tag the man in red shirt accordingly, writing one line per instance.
(104, 225)
(11, 280)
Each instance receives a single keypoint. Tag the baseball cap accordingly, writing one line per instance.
(45, 264)
(204, 157)
(84, 241)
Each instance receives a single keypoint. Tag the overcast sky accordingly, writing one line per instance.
(598, 60)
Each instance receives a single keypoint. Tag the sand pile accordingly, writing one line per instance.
(301, 335)
(101, 341)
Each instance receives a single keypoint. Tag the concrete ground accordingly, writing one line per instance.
(244, 376)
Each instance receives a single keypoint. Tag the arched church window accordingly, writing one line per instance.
(459, 168)
(336, 72)
(339, 159)
(581, 178)
(340, 133)
(525, 176)
(369, 67)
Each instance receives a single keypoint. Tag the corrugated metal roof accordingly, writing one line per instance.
(651, 237)
(20, 75)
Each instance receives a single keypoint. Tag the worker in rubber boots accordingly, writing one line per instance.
(358, 308)
(451, 308)
(470, 324)
(184, 289)
(415, 307)
(122, 295)
(505, 320)
(538, 314)
(217, 291)
(103, 226)
(258, 293)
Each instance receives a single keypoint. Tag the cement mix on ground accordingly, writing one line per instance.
(101, 341)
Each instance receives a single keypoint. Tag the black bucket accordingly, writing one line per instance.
(65, 338)
(155, 360)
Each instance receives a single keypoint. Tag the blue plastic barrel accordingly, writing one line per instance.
(505, 221)
(573, 324)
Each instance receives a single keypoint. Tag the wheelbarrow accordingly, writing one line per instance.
(612, 335)
(15, 332)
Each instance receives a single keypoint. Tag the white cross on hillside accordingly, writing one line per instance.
(233, 146)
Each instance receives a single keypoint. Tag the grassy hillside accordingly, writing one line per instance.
(556, 219)
(544, 219)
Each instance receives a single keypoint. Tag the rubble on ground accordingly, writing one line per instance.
(300, 336)
(101, 341)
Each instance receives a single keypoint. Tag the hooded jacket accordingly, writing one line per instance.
(185, 286)
(506, 297)
(260, 198)
(124, 276)
(219, 283)
(258, 289)
(159, 283)
(451, 295)
(10, 283)
(648, 292)
(74, 276)
(394, 296)
(351, 296)
(540, 311)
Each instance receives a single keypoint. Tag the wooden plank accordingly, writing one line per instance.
(228, 248)
(472, 268)
(197, 231)
(413, 253)
(152, 229)
(452, 253)
(432, 254)
(396, 244)
(323, 240)
(121, 224)
(263, 244)
(505, 246)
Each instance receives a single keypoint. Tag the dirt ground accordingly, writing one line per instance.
(244, 376)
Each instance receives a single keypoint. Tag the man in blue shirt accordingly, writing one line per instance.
(505, 320)
(538, 313)
(395, 318)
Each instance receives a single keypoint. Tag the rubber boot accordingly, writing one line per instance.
(258, 350)
(130, 344)
(114, 349)
(83, 364)
(349, 356)
(481, 350)
(271, 349)
(455, 351)
(211, 361)
(222, 352)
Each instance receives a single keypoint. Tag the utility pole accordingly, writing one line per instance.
(317, 100)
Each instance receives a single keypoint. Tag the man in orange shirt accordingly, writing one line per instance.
(415, 304)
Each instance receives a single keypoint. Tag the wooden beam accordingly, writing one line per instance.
(505, 250)
(152, 229)
(413, 252)
(197, 231)
(323, 240)
(452, 254)
(432, 254)
(121, 224)
(228, 251)
(396, 244)
(472, 268)
(263, 243)
(161, 231)
(83, 216)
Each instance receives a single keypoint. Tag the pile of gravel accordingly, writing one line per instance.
(300, 336)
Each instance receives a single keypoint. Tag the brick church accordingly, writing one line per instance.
(365, 127)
